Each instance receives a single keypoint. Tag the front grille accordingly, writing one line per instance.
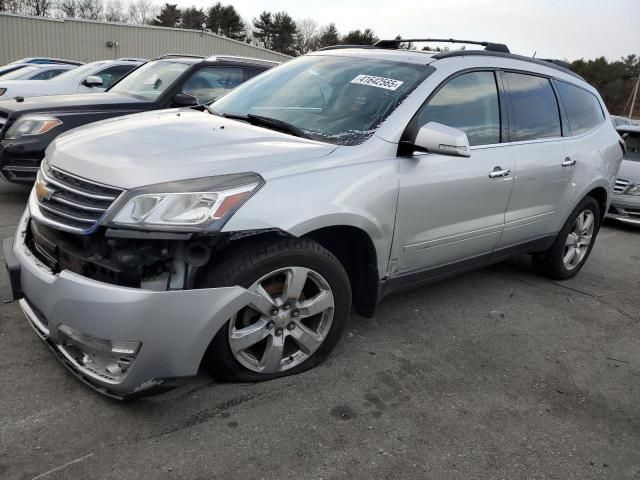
(620, 186)
(73, 202)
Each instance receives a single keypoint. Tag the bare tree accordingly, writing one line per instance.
(114, 11)
(306, 38)
(68, 8)
(142, 12)
(39, 8)
(90, 9)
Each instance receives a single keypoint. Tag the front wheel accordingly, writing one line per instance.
(302, 304)
(573, 244)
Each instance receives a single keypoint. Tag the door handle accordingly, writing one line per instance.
(499, 172)
(568, 162)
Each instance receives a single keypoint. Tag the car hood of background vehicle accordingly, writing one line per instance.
(630, 170)
(178, 144)
(26, 88)
(96, 101)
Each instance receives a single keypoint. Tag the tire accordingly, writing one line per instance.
(553, 262)
(274, 267)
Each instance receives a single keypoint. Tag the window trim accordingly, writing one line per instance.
(513, 138)
(408, 137)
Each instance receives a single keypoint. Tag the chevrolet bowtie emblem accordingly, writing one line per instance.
(43, 191)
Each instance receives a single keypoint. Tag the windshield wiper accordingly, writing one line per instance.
(267, 122)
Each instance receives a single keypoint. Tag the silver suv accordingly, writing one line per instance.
(238, 236)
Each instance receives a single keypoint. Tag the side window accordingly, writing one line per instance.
(535, 107)
(47, 74)
(207, 84)
(583, 108)
(469, 103)
(111, 75)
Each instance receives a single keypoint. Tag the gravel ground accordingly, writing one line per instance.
(495, 374)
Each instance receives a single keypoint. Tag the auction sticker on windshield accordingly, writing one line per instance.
(380, 82)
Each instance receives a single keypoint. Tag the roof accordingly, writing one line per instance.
(367, 51)
(426, 57)
(187, 58)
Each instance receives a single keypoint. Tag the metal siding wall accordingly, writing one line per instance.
(84, 40)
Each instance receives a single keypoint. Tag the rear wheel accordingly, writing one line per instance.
(303, 301)
(573, 244)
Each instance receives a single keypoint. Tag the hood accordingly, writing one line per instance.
(34, 88)
(630, 170)
(177, 144)
(95, 101)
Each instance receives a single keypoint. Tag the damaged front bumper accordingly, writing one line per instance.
(121, 341)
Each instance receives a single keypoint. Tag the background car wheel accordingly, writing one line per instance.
(573, 244)
(305, 302)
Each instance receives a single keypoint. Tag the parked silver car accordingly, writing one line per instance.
(238, 236)
(625, 204)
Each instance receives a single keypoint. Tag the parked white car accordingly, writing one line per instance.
(38, 72)
(92, 77)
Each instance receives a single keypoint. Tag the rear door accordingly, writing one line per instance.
(449, 208)
(544, 160)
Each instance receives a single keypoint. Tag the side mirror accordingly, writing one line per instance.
(92, 81)
(437, 138)
(185, 100)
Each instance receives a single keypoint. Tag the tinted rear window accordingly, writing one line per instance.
(583, 108)
(535, 108)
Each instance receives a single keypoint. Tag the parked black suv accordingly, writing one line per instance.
(28, 125)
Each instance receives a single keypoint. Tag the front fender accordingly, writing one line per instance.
(362, 195)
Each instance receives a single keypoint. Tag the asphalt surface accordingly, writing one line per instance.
(495, 374)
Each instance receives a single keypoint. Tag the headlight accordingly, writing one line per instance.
(188, 205)
(2, 90)
(32, 125)
(633, 190)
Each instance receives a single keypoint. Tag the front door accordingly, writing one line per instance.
(450, 208)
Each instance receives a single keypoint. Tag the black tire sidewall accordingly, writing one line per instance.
(554, 261)
(221, 361)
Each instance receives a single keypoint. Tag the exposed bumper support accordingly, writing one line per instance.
(174, 327)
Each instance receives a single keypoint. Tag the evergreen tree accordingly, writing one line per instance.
(226, 21)
(263, 30)
(169, 16)
(357, 37)
(193, 18)
(284, 34)
(328, 36)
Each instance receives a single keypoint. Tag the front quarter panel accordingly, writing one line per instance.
(354, 186)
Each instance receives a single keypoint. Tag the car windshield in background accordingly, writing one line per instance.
(632, 140)
(150, 80)
(80, 72)
(339, 100)
(16, 74)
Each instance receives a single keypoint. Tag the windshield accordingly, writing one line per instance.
(10, 68)
(339, 100)
(19, 73)
(150, 80)
(79, 73)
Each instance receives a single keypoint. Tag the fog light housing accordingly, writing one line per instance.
(111, 346)
(105, 359)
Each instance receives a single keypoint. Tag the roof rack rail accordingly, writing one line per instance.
(171, 55)
(131, 59)
(555, 64)
(488, 46)
(240, 59)
(340, 47)
(560, 63)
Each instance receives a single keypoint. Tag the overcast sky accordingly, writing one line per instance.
(563, 29)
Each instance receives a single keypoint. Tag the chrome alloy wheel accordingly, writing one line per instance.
(578, 240)
(287, 326)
